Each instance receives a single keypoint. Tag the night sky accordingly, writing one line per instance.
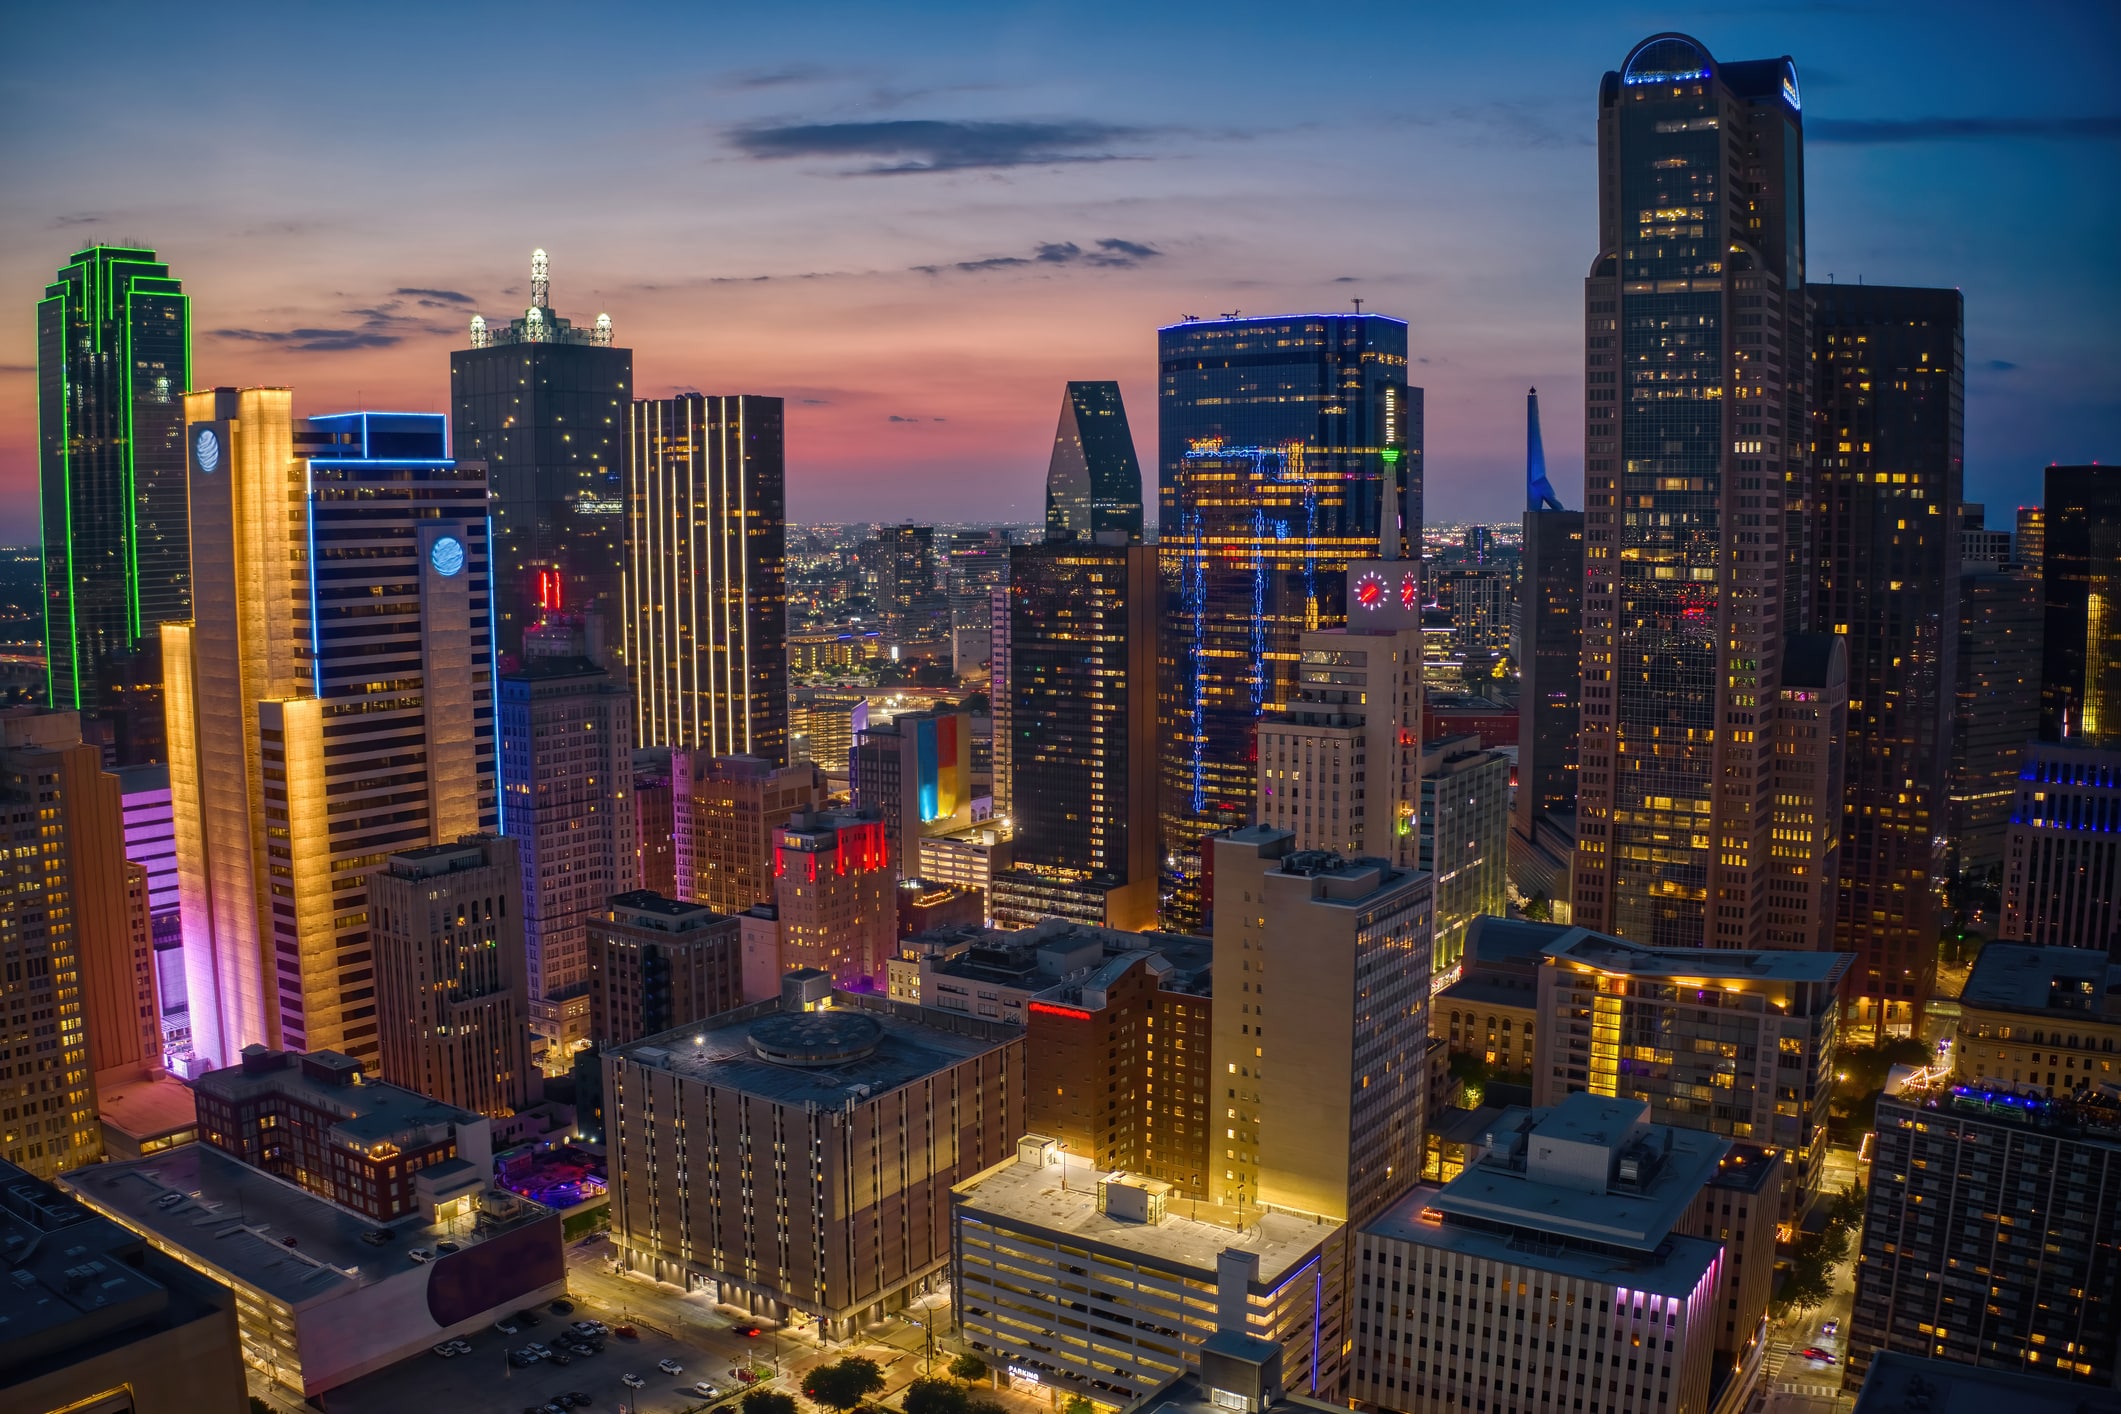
(916, 221)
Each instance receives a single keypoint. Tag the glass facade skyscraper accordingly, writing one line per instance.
(707, 576)
(1887, 390)
(113, 361)
(543, 403)
(1094, 481)
(330, 703)
(1695, 365)
(2080, 569)
(1275, 438)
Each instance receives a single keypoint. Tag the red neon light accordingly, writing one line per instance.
(549, 591)
(1072, 1013)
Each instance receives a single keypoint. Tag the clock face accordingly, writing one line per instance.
(1370, 591)
(206, 449)
(447, 556)
(1409, 591)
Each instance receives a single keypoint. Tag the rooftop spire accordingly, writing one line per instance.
(540, 281)
(1539, 492)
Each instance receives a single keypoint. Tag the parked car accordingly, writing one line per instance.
(447, 1247)
(576, 1399)
(421, 1254)
(505, 1326)
(561, 1307)
(448, 1350)
(632, 1381)
(527, 1319)
(543, 1352)
(589, 1327)
(463, 1347)
(670, 1367)
(559, 1357)
(519, 1358)
(704, 1390)
(625, 1332)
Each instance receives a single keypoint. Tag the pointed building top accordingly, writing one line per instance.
(1539, 492)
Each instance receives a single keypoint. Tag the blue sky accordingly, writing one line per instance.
(917, 221)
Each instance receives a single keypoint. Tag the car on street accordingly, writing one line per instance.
(632, 1381)
(1830, 1328)
(704, 1390)
(625, 1332)
(505, 1326)
(421, 1254)
(748, 1331)
(1813, 1352)
(670, 1367)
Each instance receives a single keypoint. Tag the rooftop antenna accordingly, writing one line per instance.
(540, 282)
(1539, 492)
(1231, 313)
(1358, 304)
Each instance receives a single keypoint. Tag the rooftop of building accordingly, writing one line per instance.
(2021, 977)
(148, 1108)
(1592, 1170)
(2089, 1114)
(71, 1276)
(1335, 879)
(647, 908)
(369, 1111)
(263, 1231)
(1814, 662)
(1063, 1198)
(1189, 1394)
(543, 667)
(1711, 966)
(901, 1044)
(1056, 952)
(432, 860)
(1494, 941)
(1746, 1168)
(1909, 1384)
(1482, 988)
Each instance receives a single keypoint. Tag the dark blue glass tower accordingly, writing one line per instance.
(1276, 440)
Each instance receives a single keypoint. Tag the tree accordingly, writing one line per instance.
(767, 1401)
(1076, 1405)
(969, 1368)
(844, 1384)
(929, 1396)
(978, 704)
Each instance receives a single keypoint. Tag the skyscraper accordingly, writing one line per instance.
(707, 583)
(835, 897)
(1074, 686)
(1694, 482)
(1989, 1230)
(451, 986)
(2001, 619)
(1094, 482)
(2031, 537)
(1321, 1053)
(64, 941)
(909, 598)
(1465, 838)
(113, 362)
(567, 787)
(543, 403)
(1887, 389)
(1275, 438)
(2062, 850)
(332, 700)
(1811, 735)
(2080, 565)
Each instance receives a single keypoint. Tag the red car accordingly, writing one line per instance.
(748, 1332)
(1813, 1352)
(625, 1332)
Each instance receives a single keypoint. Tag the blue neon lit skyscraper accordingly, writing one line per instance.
(1274, 439)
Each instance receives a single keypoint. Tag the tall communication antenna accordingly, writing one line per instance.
(1539, 492)
(540, 282)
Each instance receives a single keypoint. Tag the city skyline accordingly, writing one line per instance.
(875, 208)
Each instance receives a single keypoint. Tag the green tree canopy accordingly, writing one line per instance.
(930, 1396)
(843, 1384)
(768, 1401)
(969, 1368)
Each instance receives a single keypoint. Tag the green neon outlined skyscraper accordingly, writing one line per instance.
(113, 360)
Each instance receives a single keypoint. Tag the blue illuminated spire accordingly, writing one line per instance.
(1539, 492)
